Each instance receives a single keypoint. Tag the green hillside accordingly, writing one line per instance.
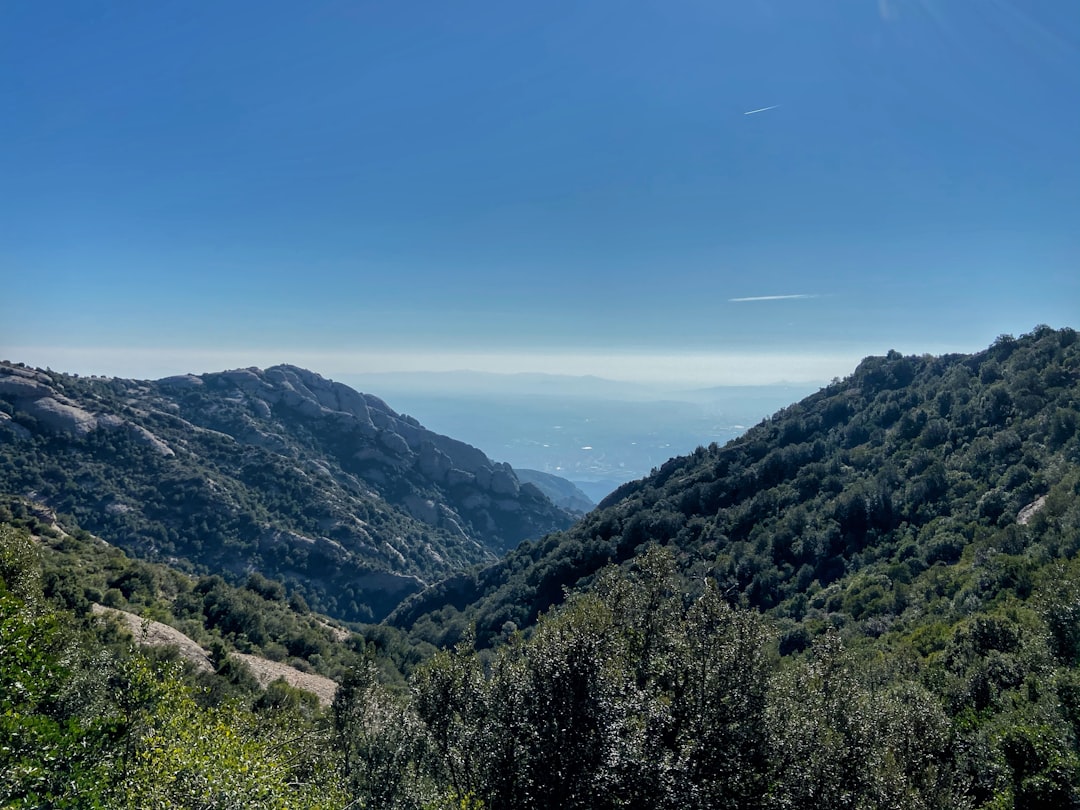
(840, 510)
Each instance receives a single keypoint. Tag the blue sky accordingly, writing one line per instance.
(561, 186)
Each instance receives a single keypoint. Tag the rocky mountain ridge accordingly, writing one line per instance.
(277, 470)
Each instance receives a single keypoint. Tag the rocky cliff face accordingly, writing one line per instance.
(279, 470)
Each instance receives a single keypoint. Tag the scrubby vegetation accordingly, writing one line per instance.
(258, 617)
(637, 693)
(87, 721)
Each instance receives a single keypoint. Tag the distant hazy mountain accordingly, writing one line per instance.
(598, 489)
(483, 383)
(562, 493)
(280, 471)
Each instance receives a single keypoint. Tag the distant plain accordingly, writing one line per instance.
(595, 432)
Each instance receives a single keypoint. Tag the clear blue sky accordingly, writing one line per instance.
(427, 184)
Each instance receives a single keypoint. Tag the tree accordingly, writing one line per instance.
(837, 740)
(380, 743)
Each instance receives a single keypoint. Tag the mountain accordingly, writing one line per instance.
(279, 471)
(835, 509)
(870, 600)
(563, 493)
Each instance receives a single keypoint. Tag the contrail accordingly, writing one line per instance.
(763, 109)
(772, 298)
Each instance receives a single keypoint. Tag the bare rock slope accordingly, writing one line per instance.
(155, 634)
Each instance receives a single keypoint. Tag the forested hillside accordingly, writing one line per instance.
(279, 471)
(843, 509)
(87, 720)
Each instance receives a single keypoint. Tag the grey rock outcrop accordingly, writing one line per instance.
(396, 452)
(13, 384)
(34, 393)
(60, 416)
(182, 381)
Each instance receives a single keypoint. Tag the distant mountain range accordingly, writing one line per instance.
(279, 470)
(563, 493)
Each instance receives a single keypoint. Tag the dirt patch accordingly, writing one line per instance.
(339, 634)
(266, 672)
(156, 634)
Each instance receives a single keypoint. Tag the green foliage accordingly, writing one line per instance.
(20, 565)
(189, 756)
(633, 695)
(73, 572)
(864, 488)
(380, 743)
(48, 756)
(84, 724)
(838, 739)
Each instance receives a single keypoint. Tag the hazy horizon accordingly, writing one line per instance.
(667, 371)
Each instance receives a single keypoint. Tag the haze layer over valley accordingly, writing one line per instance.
(595, 432)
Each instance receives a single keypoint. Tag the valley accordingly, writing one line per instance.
(872, 593)
(540, 406)
(597, 433)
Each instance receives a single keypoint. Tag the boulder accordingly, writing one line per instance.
(23, 388)
(456, 477)
(504, 482)
(61, 417)
(394, 443)
(182, 381)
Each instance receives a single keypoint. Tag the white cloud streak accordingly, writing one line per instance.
(773, 298)
(761, 110)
